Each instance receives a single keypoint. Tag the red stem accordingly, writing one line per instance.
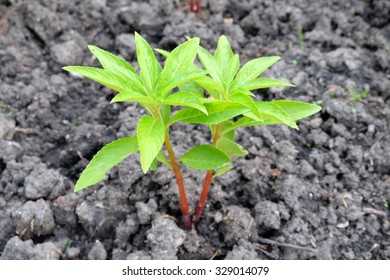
(195, 6)
(203, 196)
(186, 219)
(207, 182)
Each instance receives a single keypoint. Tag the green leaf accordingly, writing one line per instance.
(187, 99)
(109, 156)
(226, 131)
(165, 112)
(204, 157)
(161, 158)
(101, 76)
(116, 65)
(180, 79)
(244, 91)
(153, 166)
(247, 101)
(222, 170)
(149, 67)
(110, 61)
(150, 135)
(132, 96)
(210, 86)
(246, 121)
(191, 86)
(164, 53)
(231, 70)
(252, 69)
(297, 110)
(265, 83)
(178, 63)
(218, 111)
(273, 111)
(223, 53)
(230, 147)
(209, 63)
(184, 85)
(294, 110)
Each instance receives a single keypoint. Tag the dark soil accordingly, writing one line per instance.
(321, 192)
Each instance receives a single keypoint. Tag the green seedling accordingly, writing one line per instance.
(299, 31)
(67, 247)
(385, 203)
(218, 95)
(356, 97)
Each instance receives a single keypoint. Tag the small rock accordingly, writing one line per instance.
(355, 155)
(97, 252)
(192, 241)
(140, 15)
(125, 229)
(73, 253)
(10, 150)
(7, 127)
(64, 209)
(145, 211)
(100, 218)
(344, 224)
(34, 218)
(139, 255)
(315, 123)
(349, 255)
(118, 254)
(6, 227)
(299, 79)
(164, 238)
(3, 202)
(17, 249)
(41, 181)
(42, 21)
(67, 53)
(125, 43)
(237, 223)
(218, 217)
(218, 6)
(370, 129)
(343, 58)
(244, 250)
(99, 3)
(354, 213)
(267, 215)
(307, 170)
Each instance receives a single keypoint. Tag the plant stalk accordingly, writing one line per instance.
(195, 6)
(203, 196)
(206, 183)
(186, 218)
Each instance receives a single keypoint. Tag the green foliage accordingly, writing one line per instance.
(109, 156)
(219, 96)
(299, 31)
(205, 157)
(230, 147)
(356, 97)
(150, 135)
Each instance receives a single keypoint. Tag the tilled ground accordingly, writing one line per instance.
(321, 192)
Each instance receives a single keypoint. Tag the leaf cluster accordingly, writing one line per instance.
(218, 94)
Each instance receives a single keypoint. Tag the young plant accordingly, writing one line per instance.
(229, 85)
(228, 97)
(152, 89)
(356, 97)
